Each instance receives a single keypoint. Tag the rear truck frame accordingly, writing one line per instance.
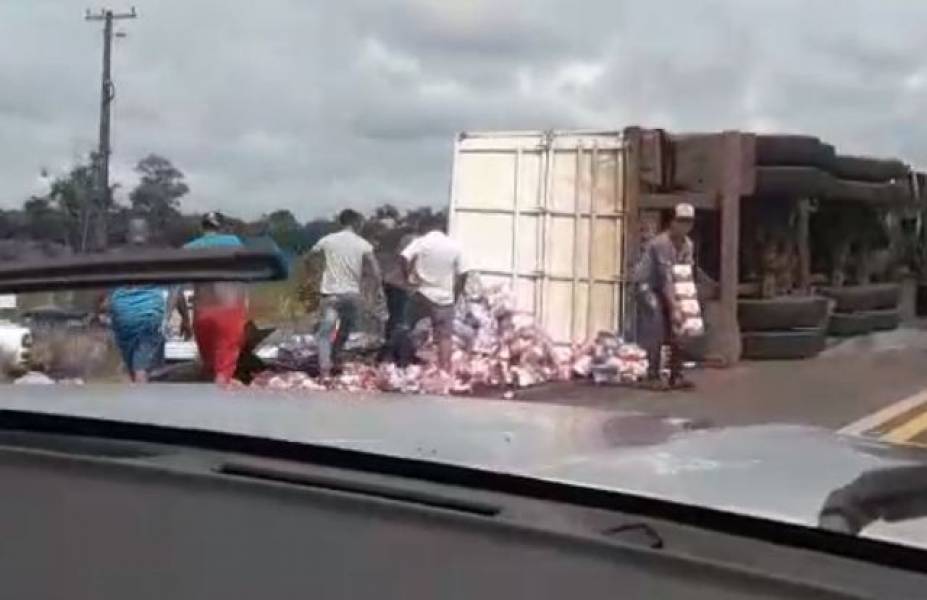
(525, 202)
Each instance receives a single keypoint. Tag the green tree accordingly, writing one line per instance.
(182, 230)
(284, 229)
(158, 193)
(43, 221)
(281, 220)
(11, 223)
(74, 198)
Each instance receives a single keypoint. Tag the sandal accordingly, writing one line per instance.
(655, 385)
(681, 384)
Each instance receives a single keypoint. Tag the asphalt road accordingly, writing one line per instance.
(874, 385)
(852, 380)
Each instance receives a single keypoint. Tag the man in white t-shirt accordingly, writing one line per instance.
(436, 270)
(345, 254)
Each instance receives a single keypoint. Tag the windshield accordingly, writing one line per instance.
(666, 248)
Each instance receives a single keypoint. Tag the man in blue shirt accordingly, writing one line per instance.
(139, 314)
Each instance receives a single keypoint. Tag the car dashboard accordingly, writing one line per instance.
(95, 511)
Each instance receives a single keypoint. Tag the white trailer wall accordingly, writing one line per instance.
(523, 205)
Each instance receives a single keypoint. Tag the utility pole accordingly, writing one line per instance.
(107, 93)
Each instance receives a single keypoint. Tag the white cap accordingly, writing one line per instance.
(685, 211)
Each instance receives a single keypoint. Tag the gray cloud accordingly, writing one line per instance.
(311, 105)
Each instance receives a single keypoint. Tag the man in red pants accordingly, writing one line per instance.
(220, 309)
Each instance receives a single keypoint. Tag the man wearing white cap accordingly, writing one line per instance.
(660, 316)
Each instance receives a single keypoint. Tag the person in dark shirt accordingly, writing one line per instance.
(396, 289)
(658, 315)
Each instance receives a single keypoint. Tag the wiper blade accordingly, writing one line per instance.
(147, 267)
(891, 494)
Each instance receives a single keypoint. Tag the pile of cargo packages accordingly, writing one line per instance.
(610, 360)
(494, 347)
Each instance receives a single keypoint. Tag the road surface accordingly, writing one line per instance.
(875, 385)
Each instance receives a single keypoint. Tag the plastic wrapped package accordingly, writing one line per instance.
(685, 290)
(609, 360)
(686, 295)
(692, 327)
(690, 308)
(298, 353)
(682, 272)
(494, 346)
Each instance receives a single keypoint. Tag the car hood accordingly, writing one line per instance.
(782, 472)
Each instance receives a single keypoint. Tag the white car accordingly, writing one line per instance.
(180, 350)
(15, 343)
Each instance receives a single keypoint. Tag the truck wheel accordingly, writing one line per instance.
(783, 345)
(790, 182)
(855, 298)
(776, 314)
(921, 300)
(862, 192)
(849, 324)
(883, 320)
(862, 168)
(793, 150)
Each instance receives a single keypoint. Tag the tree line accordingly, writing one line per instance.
(72, 217)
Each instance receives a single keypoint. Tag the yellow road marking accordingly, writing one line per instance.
(880, 417)
(909, 430)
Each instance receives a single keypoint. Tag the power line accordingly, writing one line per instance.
(107, 93)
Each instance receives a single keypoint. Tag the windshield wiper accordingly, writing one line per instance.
(162, 266)
(891, 494)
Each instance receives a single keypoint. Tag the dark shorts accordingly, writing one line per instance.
(441, 316)
(141, 345)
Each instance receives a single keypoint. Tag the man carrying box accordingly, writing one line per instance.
(667, 309)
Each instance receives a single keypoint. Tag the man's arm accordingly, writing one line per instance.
(102, 302)
(460, 284)
(664, 265)
(406, 266)
(314, 262)
(461, 270)
(668, 296)
(183, 309)
(708, 287)
(102, 306)
(374, 266)
(407, 260)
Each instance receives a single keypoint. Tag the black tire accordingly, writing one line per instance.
(863, 168)
(791, 182)
(782, 313)
(861, 192)
(855, 298)
(849, 324)
(883, 320)
(920, 302)
(793, 150)
(901, 192)
(783, 345)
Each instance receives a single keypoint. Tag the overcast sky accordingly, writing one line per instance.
(315, 105)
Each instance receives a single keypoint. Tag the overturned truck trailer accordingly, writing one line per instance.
(544, 212)
(559, 215)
